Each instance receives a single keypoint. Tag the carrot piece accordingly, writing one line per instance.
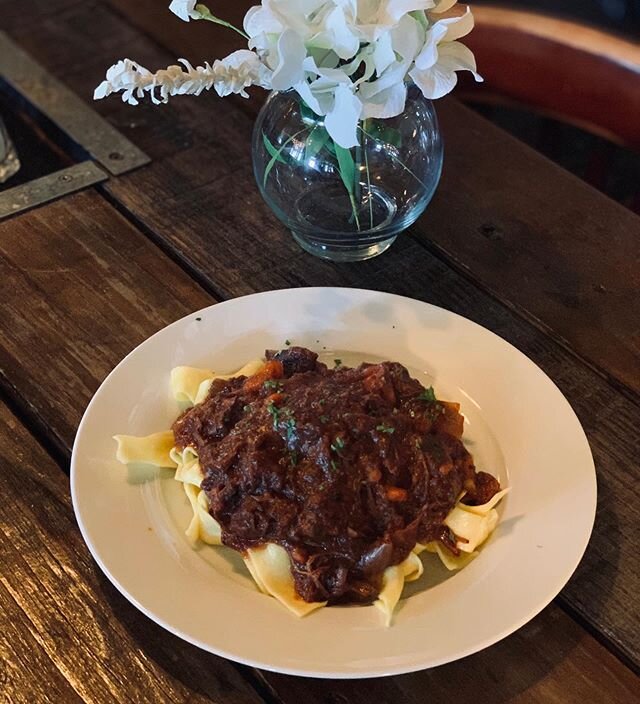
(269, 370)
(395, 493)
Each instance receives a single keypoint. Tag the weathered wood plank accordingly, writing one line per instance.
(73, 300)
(81, 623)
(557, 250)
(54, 594)
(20, 653)
(212, 219)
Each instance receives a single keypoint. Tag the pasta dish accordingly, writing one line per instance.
(328, 481)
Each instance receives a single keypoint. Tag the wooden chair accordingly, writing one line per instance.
(559, 68)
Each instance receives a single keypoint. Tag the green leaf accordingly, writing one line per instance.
(395, 158)
(276, 154)
(271, 149)
(316, 141)
(347, 167)
(306, 113)
(427, 395)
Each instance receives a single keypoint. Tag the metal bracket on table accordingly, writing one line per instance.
(111, 153)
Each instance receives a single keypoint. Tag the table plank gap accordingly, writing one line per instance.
(449, 258)
(173, 253)
(31, 418)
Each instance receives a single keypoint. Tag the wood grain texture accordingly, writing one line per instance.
(73, 299)
(563, 254)
(78, 621)
(22, 656)
(91, 265)
(213, 221)
(66, 634)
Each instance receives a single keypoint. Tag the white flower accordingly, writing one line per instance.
(291, 52)
(185, 9)
(332, 94)
(231, 75)
(442, 55)
(341, 121)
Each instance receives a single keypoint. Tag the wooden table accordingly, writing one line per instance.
(510, 241)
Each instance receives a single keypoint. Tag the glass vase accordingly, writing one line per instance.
(346, 204)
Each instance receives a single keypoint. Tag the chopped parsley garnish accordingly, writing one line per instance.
(246, 408)
(287, 343)
(198, 319)
(289, 423)
(334, 465)
(427, 395)
(290, 429)
(275, 414)
(321, 402)
(385, 428)
(338, 444)
(337, 362)
(324, 419)
(273, 384)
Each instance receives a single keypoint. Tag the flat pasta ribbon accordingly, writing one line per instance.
(270, 567)
(191, 385)
(154, 449)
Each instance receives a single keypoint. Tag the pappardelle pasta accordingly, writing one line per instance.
(286, 446)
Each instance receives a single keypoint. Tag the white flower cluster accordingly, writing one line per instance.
(347, 59)
(231, 75)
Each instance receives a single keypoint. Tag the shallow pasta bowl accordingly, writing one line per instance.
(518, 426)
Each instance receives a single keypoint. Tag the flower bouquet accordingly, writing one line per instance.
(346, 150)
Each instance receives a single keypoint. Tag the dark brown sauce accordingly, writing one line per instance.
(345, 468)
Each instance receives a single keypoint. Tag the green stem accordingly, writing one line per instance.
(347, 169)
(354, 207)
(205, 14)
(369, 194)
(356, 185)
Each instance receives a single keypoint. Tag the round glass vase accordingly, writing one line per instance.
(346, 204)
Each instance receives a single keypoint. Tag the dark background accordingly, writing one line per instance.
(621, 16)
(611, 169)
